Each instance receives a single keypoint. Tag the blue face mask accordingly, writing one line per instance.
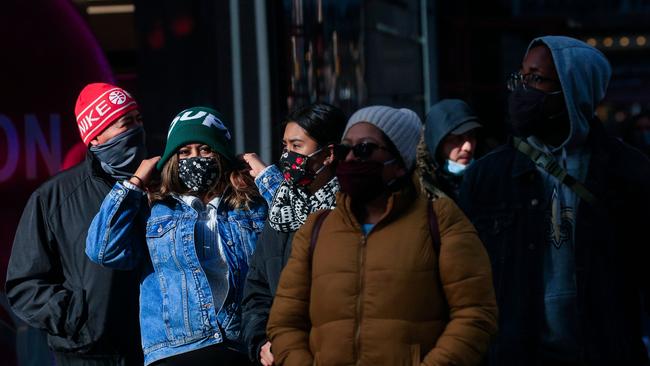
(455, 168)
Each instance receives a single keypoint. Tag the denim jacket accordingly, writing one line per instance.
(268, 182)
(177, 314)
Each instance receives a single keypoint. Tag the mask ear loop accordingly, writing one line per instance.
(315, 152)
(323, 164)
(320, 170)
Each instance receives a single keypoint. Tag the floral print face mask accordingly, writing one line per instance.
(198, 174)
(295, 168)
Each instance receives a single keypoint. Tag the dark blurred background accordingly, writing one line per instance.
(255, 60)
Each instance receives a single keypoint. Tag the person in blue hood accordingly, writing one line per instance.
(450, 138)
(568, 258)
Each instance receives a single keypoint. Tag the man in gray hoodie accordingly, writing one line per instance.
(450, 136)
(562, 210)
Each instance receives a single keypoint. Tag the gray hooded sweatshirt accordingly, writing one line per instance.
(584, 73)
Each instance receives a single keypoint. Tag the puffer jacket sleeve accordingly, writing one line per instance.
(289, 323)
(466, 278)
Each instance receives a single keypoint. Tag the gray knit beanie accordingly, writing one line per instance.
(402, 126)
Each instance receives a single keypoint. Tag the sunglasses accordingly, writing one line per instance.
(361, 151)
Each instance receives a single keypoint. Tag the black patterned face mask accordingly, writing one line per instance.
(198, 174)
(295, 168)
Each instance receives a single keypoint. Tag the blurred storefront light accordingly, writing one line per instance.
(608, 41)
(110, 9)
(619, 43)
(624, 41)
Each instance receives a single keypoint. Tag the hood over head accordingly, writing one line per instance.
(584, 74)
(448, 116)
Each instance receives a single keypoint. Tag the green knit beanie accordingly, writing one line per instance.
(197, 125)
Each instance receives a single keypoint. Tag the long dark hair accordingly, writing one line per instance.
(323, 122)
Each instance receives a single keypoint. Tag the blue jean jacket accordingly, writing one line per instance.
(268, 182)
(177, 314)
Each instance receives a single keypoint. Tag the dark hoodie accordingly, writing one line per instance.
(443, 118)
(599, 253)
(583, 85)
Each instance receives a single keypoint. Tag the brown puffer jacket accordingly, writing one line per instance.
(376, 299)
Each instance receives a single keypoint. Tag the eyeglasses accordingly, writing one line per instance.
(362, 150)
(517, 79)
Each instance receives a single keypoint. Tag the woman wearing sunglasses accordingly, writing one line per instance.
(305, 175)
(192, 244)
(365, 283)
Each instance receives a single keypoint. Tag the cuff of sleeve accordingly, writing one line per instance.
(269, 178)
(263, 175)
(299, 358)
(131, 186)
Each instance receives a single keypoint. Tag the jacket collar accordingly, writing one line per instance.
(217, 202)
(398, 202)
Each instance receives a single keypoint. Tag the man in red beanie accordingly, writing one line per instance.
(89, 312)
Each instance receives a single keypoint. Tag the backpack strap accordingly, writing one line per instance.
(316, 229)
(435, 238)
(433, 228)
(550, 165)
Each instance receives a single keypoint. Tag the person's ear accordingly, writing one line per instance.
(94, 141)
(329, 159)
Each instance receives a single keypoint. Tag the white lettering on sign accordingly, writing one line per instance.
(36, 145)
(35, 141)
(9, 166)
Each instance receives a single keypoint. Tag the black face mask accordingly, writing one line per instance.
(361, 180)
(536, 113)
(198, 174)
(295, 168)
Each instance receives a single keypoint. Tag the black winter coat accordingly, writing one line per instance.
(503, 196)
(53, 286)
(271, 254)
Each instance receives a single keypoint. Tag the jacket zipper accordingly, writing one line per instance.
(357, 332)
